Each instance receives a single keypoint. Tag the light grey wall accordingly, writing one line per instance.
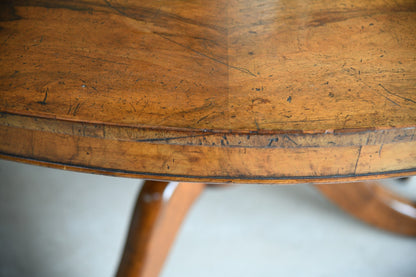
(59, 223)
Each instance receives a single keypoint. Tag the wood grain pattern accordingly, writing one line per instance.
(375, 205)
(158, 214)
(84, 149)
(216, 91)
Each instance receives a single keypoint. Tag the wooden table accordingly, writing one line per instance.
(215, 91)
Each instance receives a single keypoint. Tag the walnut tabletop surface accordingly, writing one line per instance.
(214, 91)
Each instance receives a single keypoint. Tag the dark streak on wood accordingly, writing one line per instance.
(404, 98)
(358, 158)
(76, 109)
(290, 139)
(43, 102)
(168, 138)
(379, 151)
(213, 177)
(244, 70)
(7, 11)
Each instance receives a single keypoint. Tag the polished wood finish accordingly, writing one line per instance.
(374, 204)
(242, 91)
(158, 214)
(214, 91)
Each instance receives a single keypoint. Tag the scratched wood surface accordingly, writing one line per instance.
(219, 91)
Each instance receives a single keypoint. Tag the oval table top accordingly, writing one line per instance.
(215, 91)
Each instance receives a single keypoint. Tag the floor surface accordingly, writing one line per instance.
(60, 223)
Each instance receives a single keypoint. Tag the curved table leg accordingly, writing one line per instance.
(158, 214)
(374, 204)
